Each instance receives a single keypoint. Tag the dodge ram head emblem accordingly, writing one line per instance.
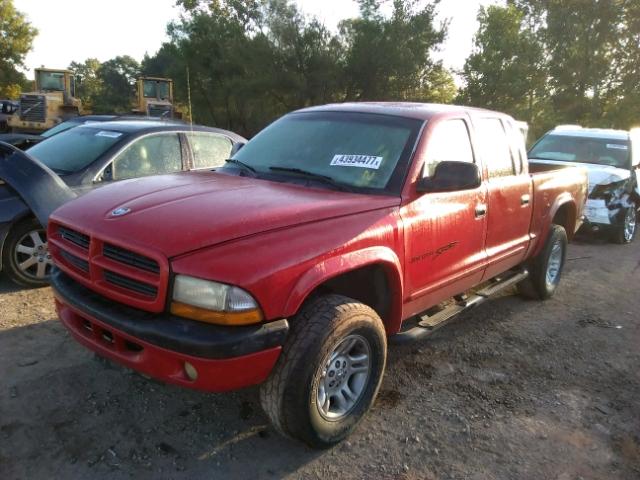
(118, 212)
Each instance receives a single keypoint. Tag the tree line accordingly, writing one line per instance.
(242, 63)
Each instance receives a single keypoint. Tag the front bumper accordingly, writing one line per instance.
(159, 345)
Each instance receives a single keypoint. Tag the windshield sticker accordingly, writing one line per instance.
(108, 134)
(360, 161)
(617, 146)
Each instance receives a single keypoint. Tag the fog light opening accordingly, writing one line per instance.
(190, 371)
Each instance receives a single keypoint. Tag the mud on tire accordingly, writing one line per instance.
(308, 369)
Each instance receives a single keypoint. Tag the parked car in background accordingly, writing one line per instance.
(612, 158)
(25, 140)
(80, 159)
(332, 229)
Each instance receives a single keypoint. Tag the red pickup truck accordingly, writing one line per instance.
(333, 229)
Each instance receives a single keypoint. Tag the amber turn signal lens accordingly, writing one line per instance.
(219, 318)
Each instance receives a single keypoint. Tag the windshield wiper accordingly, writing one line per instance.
(243, 165)
(314, 176)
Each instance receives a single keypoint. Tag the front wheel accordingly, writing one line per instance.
(545, 269)
(329, 372)
(26, 258)
(626, 232)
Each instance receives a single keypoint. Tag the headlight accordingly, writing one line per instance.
(213, 302)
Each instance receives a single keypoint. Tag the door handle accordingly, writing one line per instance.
(481, 210)
(525, 199)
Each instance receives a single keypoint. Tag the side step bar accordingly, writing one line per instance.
(429, 324)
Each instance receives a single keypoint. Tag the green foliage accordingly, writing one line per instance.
(558, 61)
(251, 61)
(16, 39)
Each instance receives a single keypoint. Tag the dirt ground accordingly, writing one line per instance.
(513, 390)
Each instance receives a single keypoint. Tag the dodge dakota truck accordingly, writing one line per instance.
(333, 230)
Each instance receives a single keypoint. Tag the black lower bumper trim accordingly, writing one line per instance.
(169, 331)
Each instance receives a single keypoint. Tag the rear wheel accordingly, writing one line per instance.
(329, 372)
(545, 269)
(25, 256)
(626, 232)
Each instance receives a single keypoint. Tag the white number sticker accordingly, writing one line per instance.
(360, 161)
(617, 146)
(108, 134)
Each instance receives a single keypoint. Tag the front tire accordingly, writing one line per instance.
(25, 256)
(545, 269)
(626, 232)
(329, 372)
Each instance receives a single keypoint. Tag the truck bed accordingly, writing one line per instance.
(551, 184)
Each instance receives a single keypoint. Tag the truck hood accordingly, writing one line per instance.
(184, 212)
(598, 174)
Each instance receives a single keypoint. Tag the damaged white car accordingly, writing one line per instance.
(612, 158)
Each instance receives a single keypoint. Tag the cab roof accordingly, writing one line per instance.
(419, 111)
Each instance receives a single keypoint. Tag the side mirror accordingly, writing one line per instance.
(451, 176)
(236, 148)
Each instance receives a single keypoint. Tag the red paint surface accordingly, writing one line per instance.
(280, 241)
(165, 365)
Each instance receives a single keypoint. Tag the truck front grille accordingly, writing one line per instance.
(130, 284)
(130, 258)
(74, 237)
(133, 278)
(163, 111)
(33, 108)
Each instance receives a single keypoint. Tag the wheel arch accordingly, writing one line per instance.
(372, 276)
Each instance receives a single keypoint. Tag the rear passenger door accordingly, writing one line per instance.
(508, 195)
(208, 149)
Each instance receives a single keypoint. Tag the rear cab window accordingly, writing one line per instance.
(495, 147)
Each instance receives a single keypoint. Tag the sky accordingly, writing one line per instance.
(136, 27)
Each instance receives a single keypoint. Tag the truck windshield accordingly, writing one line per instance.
(51, 81)
(614, 152)
(367, 151)
(73, 150)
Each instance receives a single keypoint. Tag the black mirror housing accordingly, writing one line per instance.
(450, 177)
(236, 148)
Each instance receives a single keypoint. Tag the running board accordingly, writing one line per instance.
(429, 324)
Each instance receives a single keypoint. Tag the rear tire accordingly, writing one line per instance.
(545, 269)
(626, 232)
(329, 372)
(25, 256)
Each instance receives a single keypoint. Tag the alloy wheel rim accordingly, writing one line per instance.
(554, 264)
(32, 255)
(629, 224)
(343, 377)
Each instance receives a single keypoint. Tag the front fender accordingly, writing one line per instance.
(40, 188)
(344, 263)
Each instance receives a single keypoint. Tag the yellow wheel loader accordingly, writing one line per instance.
(52, 102)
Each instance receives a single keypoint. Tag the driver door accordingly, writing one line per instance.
(444, 231)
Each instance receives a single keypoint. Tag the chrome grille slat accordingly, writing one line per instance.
(79, 263)
(130, 284)
(130, 258)
(77, 238)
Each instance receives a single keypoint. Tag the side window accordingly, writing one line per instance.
(209, 149)
(448, 142)
(495, 147)
(152, 155)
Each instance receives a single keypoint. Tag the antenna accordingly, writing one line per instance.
(189, 99)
